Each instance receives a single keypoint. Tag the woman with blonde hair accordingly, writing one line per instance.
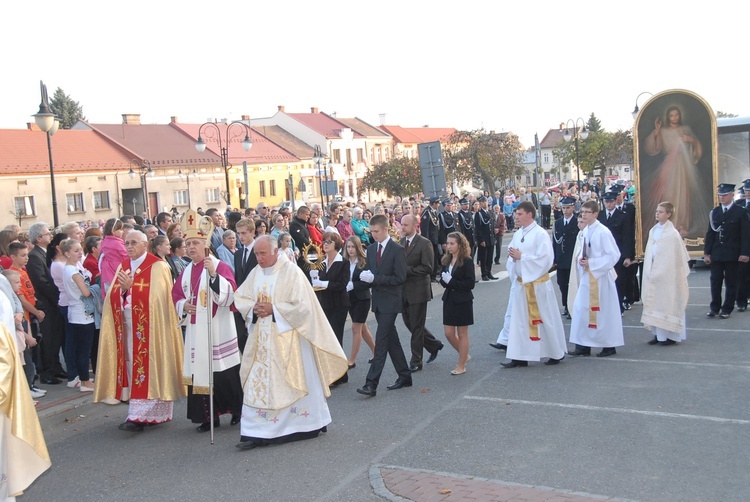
(665, 286)
(458, 301)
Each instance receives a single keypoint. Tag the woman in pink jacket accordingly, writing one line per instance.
(112, 252)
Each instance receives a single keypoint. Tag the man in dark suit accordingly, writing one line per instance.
(564, 233)
(484, 230)
(53, 335)
(632, 291)
(417, 292)
(743, 281)
(619, 224)
(299, 232)
(429, 227)
(244, 262)
(386, 271)
(727, 245)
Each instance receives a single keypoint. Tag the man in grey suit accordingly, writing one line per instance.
(386, 272)
(417, 292)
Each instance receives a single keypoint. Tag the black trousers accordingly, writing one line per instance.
(743, 284)
(546, 213)
(498, 247)
(563, 280)
(387, 343)
(632, 291)
(53, 338)
(620, 270)
(239, 324)
(337, 319)
(723, 273)
(415, 316)
(484, 258)
(436, 267)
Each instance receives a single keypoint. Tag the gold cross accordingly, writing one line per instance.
(142, 284)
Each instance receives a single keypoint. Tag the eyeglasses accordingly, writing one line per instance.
(328, 241)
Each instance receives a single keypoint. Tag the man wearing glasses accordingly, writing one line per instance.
(597, 321)
(51, 326)
(140, 341)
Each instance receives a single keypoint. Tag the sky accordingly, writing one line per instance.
(523, 67)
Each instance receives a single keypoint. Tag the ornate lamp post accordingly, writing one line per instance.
(200, 145)
(581, 132)
(47, 122)
(144, 169)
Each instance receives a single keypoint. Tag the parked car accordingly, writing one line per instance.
(343, 199)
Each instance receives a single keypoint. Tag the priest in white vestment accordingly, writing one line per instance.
(596, 318)
(665, 285)
(536, 329)
(292, 355)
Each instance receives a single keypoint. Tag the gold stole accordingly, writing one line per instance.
(535, 318)
(593, 299)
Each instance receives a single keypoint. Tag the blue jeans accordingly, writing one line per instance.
(78, 350)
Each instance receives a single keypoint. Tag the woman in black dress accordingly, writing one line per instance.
(333, 297)
(458, 300)
(359, 297)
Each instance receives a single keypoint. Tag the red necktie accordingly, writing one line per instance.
(380, 252)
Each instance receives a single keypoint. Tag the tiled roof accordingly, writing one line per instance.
(160, 144)
(322, 124)
(552, 139)
(286, 140)
(362, 127)
(263, 151)
(24, 151)
(418, 134)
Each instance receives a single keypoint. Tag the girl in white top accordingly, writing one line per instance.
(80, 319)
(285, 246)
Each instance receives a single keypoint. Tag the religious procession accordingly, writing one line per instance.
(248, 324)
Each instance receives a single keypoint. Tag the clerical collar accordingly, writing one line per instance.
(134, 264)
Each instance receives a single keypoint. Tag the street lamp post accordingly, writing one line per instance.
(635, 110)
(194, 174)
(581, 132)
(317, 159)
(200, 145)
(144, 169)
(48, 123)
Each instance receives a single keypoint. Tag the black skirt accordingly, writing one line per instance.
(458, 314)
(227, 397)
(359, 309)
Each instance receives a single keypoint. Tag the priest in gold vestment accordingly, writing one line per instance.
(140, 345)
(291, 357)
(23, 452)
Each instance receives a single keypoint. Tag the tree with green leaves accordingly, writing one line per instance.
(599, 149)
(68, 111)
(493, 157)
(399, 176)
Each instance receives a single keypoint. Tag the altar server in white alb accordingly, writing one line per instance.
(665, 286)
(190, 295)
(597, 321)
(536, 330)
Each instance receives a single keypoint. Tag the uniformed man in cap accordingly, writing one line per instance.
(429, 227)
(620, 226)
(727, 245)
(564, 234)
(447, 223)
(483, 229)
(466, 222)
(743, 286)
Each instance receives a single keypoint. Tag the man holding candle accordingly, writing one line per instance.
(597, 321)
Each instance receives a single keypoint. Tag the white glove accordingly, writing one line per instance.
(446, 276)
(366, 276)
(349, 286)
(313, 274)
(317, 283)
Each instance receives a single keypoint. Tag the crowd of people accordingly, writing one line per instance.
(244, 313)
